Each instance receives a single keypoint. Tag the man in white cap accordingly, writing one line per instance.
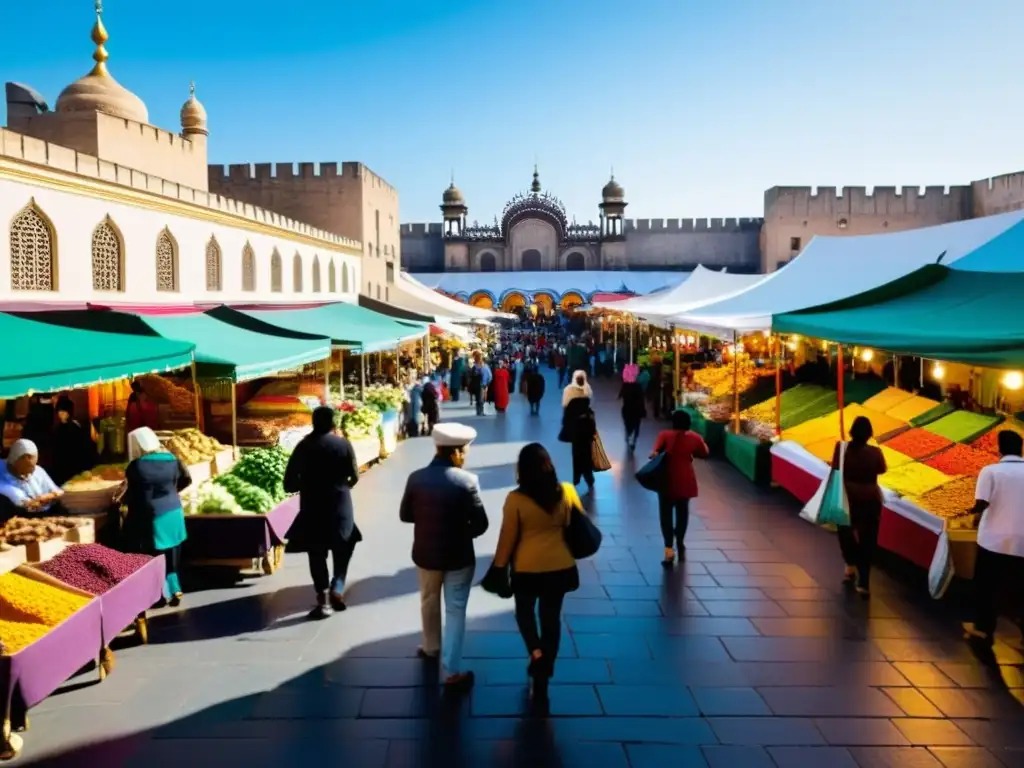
(442, 501)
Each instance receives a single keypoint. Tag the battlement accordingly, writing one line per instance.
(693, 225)
(129, 128)
(811, 201)
(21, 148)
(288, 172)
(421, 230)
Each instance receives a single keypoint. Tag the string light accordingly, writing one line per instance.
(1013, 380)
(867, 355)
(938, 372)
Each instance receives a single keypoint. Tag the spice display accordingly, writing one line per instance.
(264, 468)
(15, 635)
(260, 431)
(190, 445)
(828, 426)
(161, 390)
(918, 443)
(953, 498)
(963, 426)
(961, 460)
(887, 399)
(28, 600)
(719, 381)
(824, 450)
(19, 531)
(92, 567)
(249, 497)
(911, 408)
(797, 404)
(913, 479)
(990, 440)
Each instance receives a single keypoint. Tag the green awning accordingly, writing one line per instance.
(222, 350)
(43, 357)
(347, 325)
(935, 312)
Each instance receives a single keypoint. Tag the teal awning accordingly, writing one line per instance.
(43, 357)
(222, 350)
(347, 325)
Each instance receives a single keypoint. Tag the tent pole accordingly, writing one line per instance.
(341, 373)
(632, 328)
(840, 393)
(615, 351)
(195, 397)
(362, 375)
(327, 377)
(677, 389)
(778, 386)
(234, 419)
(736, 381)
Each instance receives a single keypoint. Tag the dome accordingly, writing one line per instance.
(453, 195)
(193, 114)
(98, 91)
(613, 190)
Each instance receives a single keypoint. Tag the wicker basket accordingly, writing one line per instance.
(95, 499)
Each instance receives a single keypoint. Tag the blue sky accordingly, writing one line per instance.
(700, 105)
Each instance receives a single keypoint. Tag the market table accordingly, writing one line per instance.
(750, 455)
(239, 540)
(797, 470)
(127, 602)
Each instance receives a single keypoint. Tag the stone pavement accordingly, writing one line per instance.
(748, 655)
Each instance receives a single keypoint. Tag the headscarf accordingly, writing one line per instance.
(21, 448)
(573, 390)
(630, 373)
(142, 441)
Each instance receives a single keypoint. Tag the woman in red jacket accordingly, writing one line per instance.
(681, 447)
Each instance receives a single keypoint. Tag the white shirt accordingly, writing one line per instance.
(1002, 523)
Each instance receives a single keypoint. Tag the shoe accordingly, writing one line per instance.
(850, 575)
(670, 557)
(459, 683)
(320, 613)
(427, 655)
(337, 602)
(176, 599)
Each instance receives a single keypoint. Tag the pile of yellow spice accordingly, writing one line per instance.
(29, 609)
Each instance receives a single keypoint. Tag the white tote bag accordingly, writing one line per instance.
(941, 571)
(812, 508)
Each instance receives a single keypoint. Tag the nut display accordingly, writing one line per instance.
(92, 567)
(96, 478)
(190, 445)
(161, 390)
(950, 499)
(961, 460)
(19, 531)
(30, 608)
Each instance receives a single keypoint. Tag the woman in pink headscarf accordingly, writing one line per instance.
(634, 408)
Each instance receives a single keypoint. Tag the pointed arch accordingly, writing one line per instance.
(276, 269)
(107, 257)
(214, 269)
(297, 273)
(332, 279)
(344, 278)
(316, 273)
(166, 261)
(33, 250)
(248, 268)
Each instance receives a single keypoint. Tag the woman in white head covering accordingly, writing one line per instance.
(26, 487)
(155, 523)
(578, 386)
(579, 426)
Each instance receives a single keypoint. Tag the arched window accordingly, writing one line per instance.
(297, 273)
(107, 257)
(214, 273)
(316, 273)
(575, 262)
(488, 263)
(332, 279)
(344, 278)
(531, 260)
(276, 278)
(33, 257)
(248, 268)
(166, 262)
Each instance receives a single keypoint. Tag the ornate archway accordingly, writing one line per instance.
(482, 299)
(545, 303)
(571, 300)
(531, 260)
(575, 262)
(513, 301)
(488, 262)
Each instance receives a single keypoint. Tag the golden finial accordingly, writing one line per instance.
(99, 37)
(191, 89)
(613, 173)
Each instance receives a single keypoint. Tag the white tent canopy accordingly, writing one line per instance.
(415, 296)
(704, 286)
(586, 282)
(833, 268)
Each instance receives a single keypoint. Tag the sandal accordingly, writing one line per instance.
(670, 557)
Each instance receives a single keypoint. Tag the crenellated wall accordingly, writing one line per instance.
(998, 194)
(692, 225)
(347, 199)
(422, 247)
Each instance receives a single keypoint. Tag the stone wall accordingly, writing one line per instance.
(998, 194)
(422, 247)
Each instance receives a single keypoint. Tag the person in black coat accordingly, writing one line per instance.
(322, 470)
(578, 428)
(634, 410)
(535, 385)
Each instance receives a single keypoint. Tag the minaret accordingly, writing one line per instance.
(613, 209)
(535, 186)
(453, 210)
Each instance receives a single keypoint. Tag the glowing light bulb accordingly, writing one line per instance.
(867, 355)
(938, 372)
(791, 346)
(1013, 380)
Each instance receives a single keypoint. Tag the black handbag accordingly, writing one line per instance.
(582, 537)
(498, 582)
(654, 474)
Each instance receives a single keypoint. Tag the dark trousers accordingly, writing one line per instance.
(632, 430)
(563, 374)
(993, 573)
(583, 462)
(341, 556)
(538, 599)
(673, 531)
(534, 407)
(859, 540)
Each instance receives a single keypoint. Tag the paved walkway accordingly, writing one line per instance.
(749, 655)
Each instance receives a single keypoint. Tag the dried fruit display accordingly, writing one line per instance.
(828, 426)
(19, 531)
(961, 460)
(911, 408)
(990, 440)
(963, 425)
(161, 390)
(723, 380)
(918, 443)
(720, 412)
(191, 445)
(913, 479)
(28, 600)
(96, 478)
(949, 499)
(887, 399)
(92, 567)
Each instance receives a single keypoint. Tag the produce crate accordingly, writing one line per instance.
(12, 558)
(223, 461)
(91, 500)
(38, 551)
(83, 533)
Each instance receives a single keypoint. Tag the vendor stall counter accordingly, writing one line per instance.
(240, 541)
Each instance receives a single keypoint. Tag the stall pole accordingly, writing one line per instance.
(920, 382)
(736, 382)
(677, 389)
(896, 370)
(341, 373)
(632, 327)
(327, 377)
(600, 330)
(234, 419)
(615, 351)
(840, 394)
(195, 397)
(778, 386)
(362, 376)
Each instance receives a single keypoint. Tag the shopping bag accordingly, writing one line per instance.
(582, 537)
(813, 506)
(941, 571)
(598, 456)
(653, 474)
(835, 507)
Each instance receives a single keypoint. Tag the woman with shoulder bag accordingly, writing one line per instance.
(535, 519)
(681, 447)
